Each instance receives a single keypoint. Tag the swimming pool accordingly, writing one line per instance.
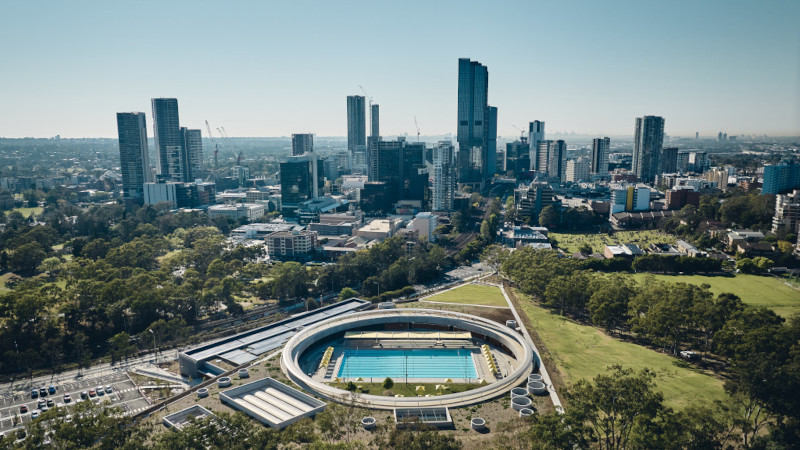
(416, 363)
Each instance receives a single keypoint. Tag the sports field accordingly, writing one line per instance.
(472, 294)
(571, 242)
(755, 290)
(581, 352)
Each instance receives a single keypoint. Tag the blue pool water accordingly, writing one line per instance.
(417, 363)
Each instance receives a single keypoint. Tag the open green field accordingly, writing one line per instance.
(570, 242)
(752, 289)
(472, 294)
(581, 352)
(26, 212)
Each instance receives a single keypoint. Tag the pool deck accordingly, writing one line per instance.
(505, 364)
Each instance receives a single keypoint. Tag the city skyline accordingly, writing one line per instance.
(699, 65)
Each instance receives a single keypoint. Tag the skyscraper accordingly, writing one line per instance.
(474, 122)
(647, 144)
(193, 148)
(535, 135)
(557, 160)
(374, 121)
(134, 160)
(169, 142)
(600, 148)
(444, 176)
(356, 124)
(300, 181)
(302, 144)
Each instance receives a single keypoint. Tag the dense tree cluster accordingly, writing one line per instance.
(761, 349)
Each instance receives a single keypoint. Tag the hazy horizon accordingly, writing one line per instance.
(270, 70)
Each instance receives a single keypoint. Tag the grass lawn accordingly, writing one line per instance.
(407, 390)
(570, 242)
(3, 278)
(752, 289)
(26, 212)
(472, 294)
(581, 352)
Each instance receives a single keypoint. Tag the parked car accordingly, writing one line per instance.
(92, 393)
(84, 395)
(67, 398)
(109, 389)
(23, 409)
(51, 389)
(42, 404)
(34, 393)
(50, 402)
(35, 415)
(42, 392)
(100, 390)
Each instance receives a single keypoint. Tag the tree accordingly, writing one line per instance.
(25, 259)
(549, 217)
(616, 405)
(347, 292)
(388, 383)
(458, 221)
(586, 249)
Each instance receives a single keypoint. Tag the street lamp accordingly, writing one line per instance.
(155, 350)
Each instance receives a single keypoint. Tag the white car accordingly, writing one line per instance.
(35, 414)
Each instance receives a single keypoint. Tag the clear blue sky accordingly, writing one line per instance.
(275, 68)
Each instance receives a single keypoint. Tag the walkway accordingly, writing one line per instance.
(542, 368)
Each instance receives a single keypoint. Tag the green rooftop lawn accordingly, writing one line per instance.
(472, 294)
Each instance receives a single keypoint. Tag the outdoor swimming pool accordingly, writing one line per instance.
(416, 363)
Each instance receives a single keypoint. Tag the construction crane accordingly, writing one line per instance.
(521, 131)
(366, 95)
(416, 125)
(216, 150)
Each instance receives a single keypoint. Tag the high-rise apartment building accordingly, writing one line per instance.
(374, 121)
(647, 144)
(169, 142)
(780, 178)
(600, 150)
(669, 160)
(134, 160)
(787, 213)
(577, 170)
(552, 159)
(535, 135)
(193, 153)
(356, 124)
(302, 144)
(444, 176)
(477, 123)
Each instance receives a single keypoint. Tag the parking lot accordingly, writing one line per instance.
(124, 395)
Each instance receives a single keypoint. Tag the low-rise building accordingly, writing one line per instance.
(521, 236)
(424, 224)
(249, 211)
(291, 244)
(260, 231)
(624, 250)
(737, 236)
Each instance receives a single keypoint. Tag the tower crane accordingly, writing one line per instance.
(216, 150)
(521, 131)
(366, 95)
(417, 126)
